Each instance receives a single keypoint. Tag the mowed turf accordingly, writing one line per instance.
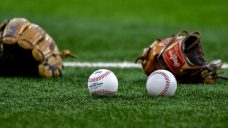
(117, 31)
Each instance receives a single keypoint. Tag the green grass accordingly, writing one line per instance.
(66, 102)
(117, 30)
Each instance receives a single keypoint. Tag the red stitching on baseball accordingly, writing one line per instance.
(94, 79)
(167, 81)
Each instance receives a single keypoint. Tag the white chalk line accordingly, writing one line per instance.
(111, 65)
(102, 64)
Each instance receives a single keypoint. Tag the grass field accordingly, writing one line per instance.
(116, 31)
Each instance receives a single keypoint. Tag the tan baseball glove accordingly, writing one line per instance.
(182, 54)
(27, 50)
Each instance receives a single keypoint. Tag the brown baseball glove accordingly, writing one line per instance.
(27, 50)
(182, 54)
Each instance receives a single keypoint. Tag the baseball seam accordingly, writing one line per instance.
(167, 82)
(98, 78)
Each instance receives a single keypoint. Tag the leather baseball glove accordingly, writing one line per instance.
(27, 50)
(182, 54)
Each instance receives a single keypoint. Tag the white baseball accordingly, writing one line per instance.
(161, 82)
(102, 82)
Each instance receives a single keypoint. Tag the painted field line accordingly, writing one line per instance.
(225, 66)
(102, 64)
(110, 64)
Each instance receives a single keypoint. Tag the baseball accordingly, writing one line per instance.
(102, 82)
(161, 82)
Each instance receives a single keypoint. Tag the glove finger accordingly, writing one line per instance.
(55, 60)
(45, 49)
(30, 36)
(47, 70)
(13, 29)
(52, 67)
